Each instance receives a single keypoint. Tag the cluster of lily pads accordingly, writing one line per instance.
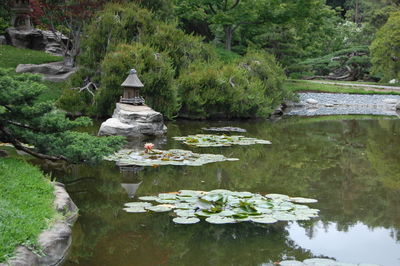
(168, 157)
(205, 140)
(225, 129)
(225, 206)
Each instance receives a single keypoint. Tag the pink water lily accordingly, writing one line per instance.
(148, 147)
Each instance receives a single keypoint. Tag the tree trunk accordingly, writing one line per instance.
(228, 37)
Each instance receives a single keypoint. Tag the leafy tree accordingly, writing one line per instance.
(385, 49)
(25, 120)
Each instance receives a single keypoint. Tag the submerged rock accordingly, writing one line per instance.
(133, 121)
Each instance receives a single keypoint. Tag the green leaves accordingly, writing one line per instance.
(203, 140)
(169, 157)
(225, 207)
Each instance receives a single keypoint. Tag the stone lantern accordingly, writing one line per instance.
(131, 87)
(21, 18)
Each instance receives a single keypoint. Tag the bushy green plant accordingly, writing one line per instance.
(250, 87)
(154, 70)
(181, 48)
(385, 51)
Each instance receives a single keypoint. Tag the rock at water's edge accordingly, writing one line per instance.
(133, 121)
(3, 40)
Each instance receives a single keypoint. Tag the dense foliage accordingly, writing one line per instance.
(25, 120)
(385, 49)
(250, 87)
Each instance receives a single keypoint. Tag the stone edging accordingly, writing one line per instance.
(55, 240)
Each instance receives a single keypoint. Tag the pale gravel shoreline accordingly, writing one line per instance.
(343, 104)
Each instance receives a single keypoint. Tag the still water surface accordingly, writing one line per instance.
(352, 166)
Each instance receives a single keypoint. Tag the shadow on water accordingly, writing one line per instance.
(351, 165)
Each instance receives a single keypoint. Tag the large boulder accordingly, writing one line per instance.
(55, 71)
(133, 121)
(37, 40)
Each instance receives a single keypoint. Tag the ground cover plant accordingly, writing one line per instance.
(11, 57)
(156, 157)
(224, 207)
(207, 140)
(26, 205)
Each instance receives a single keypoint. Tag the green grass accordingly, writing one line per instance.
(306, 86)
(26, 205)
(11, 56)
(53, 91)
(363, 83)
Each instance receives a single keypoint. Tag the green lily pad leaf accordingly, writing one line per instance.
(278, 197)
(149, 198)
(303, 200)
(135, 209)
(223, 207)
(138, 204)
(181, 220)
(263, 219)
(159, 208)
(282, 216)
(168, 157)
(220, 220)
(209, 140)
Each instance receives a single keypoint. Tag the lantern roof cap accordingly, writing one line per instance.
(132, 80)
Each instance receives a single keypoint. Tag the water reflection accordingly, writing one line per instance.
(357, 244)
(352, 167)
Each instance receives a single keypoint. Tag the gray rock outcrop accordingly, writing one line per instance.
(133, 121)
(3, 40)
(54, 241)
(36, 39)
(55, 71)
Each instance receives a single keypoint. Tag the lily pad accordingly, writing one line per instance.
(203, 140)
(224, 206)
(303, 200)
(159, 208)
(225, 129)
(138, 204)
(135, 209)
(168, 157)
(181, 220)
(148, 198)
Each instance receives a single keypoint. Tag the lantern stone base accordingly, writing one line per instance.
(133, 121)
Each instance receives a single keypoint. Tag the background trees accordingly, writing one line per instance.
(385, 49)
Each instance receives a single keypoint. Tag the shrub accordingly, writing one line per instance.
(385, 51)
(154, 70)
(180, 47)
(250, 87)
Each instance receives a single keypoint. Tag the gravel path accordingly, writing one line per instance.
(312, 104)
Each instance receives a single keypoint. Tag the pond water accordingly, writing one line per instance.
(351, 165)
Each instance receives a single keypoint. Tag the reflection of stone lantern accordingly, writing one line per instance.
(131, 87)
(21, 15)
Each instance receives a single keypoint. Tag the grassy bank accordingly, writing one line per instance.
(11, 57)
(26, 205)
(307, 86)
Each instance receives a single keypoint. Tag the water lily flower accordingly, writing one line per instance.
(148, 147)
